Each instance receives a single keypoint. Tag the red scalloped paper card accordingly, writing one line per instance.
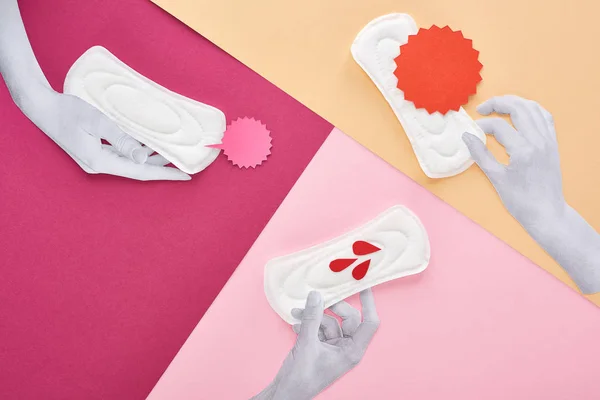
(438, 69)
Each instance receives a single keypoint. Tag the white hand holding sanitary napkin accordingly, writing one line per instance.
(324, 350)
(531, 186)
(73, 124)
(77, 127)
(435, 138)
(393, 245)
(174, 126)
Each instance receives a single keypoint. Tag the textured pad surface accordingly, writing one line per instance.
(436, 138)
(170, 124)
(393, 245)
(308, 58)
(481, 322)
(103, 278)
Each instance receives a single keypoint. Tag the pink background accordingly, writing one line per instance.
(102, 278)
(482, 322)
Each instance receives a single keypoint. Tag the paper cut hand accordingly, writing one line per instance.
(530, 186)
(324, 350)
(77, 127)
(70, 122)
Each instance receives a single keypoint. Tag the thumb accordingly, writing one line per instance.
(104, 127)
(482, 155)
(311, 318)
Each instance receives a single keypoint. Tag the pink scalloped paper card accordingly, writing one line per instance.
(246, 143)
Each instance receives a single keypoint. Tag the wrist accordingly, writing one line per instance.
(267, 393)
(543, 221)
(285, 391)
(574, 245)
(33, 93)
(36, 103)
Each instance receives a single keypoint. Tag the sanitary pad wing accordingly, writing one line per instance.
(393, 245)
(435, 138)
(175, 126)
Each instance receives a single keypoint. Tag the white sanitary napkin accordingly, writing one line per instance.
(404, 250)
(436, 139)
(174, 126)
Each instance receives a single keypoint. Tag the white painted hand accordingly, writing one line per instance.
(531, 185)
(77, 127)
(531, 189)
(324, 350)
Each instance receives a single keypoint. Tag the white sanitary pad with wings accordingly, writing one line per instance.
(174, 126)
(393, 245)
(435, 138)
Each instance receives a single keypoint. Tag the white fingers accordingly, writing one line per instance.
(109, 162)
(508, 105)
(367, 329)
(329, 329)
(311, 318)
(498, 104)
(149, 151)
(122, 142)
(350, 317)
(97, 124)
(108, 147)
(545, 121)
(548, 117)
(506, 135)
(369, 310)
(296, 328)
(521, 114)
(297, 313)
(482, 156)
(147, 172)
(539, 120)
(157, 160)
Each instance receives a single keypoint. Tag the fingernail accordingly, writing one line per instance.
(313, 299)
(131, 149)
(139, 155)
(297, 312)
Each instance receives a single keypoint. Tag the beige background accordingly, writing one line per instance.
(543, 50)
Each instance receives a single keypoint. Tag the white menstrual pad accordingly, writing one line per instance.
(172, 125)
(436, 139)
(404, 250)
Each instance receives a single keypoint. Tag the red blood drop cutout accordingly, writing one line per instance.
(361, 270)
(341, 264)
(438, 69)
(362, 248)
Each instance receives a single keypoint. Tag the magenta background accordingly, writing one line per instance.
(102, 278)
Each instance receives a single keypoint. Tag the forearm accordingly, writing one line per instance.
(18, 65)
(277, 392)
(266, 394)
(283, 394)
(575, 245)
